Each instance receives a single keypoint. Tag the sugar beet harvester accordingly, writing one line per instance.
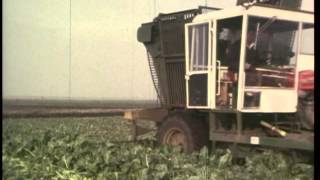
(242, 75)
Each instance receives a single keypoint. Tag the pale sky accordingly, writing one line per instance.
(107, 61)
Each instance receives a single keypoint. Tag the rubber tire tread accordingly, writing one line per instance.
(195, 130)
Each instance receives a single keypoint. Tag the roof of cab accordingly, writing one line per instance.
(258, 10)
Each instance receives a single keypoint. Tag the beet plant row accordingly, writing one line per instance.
(66, 151)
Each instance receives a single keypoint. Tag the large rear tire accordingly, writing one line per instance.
(184, 131)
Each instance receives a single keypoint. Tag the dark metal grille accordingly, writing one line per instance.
(172, 33)
(176, 83)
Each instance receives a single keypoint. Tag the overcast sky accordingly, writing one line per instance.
(105, 60)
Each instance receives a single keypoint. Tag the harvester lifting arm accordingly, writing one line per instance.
(261, 29)
(257, 34)
(267, 24)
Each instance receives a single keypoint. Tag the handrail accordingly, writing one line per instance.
(219, 77)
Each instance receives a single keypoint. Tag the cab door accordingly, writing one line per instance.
(198, 63)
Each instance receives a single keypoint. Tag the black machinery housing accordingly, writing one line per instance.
(164, 41)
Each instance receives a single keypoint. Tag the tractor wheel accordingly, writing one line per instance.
(181, 130)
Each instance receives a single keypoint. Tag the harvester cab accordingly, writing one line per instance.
(231, 75)
(248, 59)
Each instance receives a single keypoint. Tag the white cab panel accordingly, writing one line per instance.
(274, 100)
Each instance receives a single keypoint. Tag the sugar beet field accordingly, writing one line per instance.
(101, 148)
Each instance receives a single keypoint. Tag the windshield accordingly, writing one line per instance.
(271, 50)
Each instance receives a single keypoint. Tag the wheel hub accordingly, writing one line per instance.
(176, 137)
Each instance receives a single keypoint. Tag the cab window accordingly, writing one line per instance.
(271, 51)
(307, 39)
